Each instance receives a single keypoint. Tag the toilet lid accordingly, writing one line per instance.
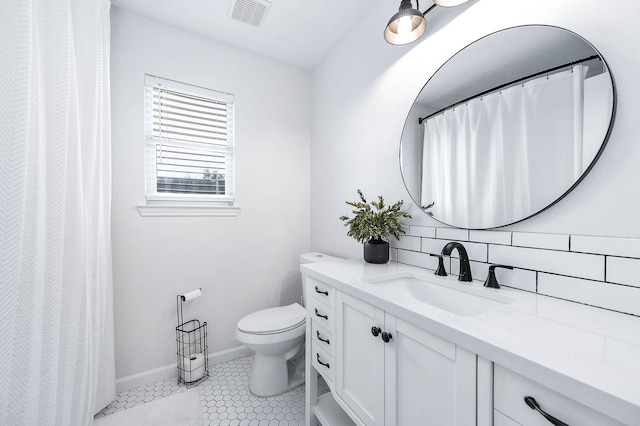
(273, 320)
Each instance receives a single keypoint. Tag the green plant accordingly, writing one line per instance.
(428, 207)
(374, 220)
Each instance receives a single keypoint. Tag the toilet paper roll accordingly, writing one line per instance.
(193, 367)
(192, 295)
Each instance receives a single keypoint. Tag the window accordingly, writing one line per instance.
(189, 142)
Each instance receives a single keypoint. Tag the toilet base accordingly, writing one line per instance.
(274, 374)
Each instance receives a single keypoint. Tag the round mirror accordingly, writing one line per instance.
(507, 127)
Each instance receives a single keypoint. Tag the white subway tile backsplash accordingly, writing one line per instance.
(393, 254)
(406, 242)
(475, 251)
(610, 296)
(493, 237)
(623, 271)
(573, 267)
(517, 278)
(544, 241)
(452, 234)
(625, 247)
(421, 260)
(423, 231)
(559, 262)
(432, 246)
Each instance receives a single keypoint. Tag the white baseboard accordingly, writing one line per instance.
(144, 378)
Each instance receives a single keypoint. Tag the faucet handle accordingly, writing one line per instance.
(491, 280)
(440, 270)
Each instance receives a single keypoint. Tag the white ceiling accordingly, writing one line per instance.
(297, 32)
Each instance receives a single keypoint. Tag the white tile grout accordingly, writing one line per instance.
(225, 398)
(557, 254)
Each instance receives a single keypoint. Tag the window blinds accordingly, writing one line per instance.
(189, 138)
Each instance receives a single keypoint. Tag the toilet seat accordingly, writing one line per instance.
(273, 320)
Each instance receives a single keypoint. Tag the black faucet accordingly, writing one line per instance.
(465, 267)
(491, 280)
(440, 270)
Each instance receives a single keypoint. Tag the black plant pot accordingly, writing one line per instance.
(376, 251)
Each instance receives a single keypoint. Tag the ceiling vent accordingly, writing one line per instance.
(250, 12)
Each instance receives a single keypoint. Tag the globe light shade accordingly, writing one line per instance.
(449, 3)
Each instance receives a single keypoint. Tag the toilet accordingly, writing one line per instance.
(276, 335)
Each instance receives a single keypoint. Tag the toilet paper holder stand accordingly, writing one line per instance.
(192, 349)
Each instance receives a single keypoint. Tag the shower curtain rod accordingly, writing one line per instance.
(502, 86)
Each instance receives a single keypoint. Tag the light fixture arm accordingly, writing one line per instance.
(433, 6)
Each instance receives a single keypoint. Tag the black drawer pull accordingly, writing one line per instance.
(375, 331)
(386, 337)
(321, 339)
(326, 293)
(318, 314)
(326, 364)
(533, 404)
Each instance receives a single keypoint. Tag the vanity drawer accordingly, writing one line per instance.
(320, 291)
(322, 337)
(510, 389)
(323, 363)
(321, 313)
(500, 419)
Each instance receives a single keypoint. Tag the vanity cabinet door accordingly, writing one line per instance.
(360, 358)
(428, 380)
(510, 390)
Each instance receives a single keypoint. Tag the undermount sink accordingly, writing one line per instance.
(451, 296)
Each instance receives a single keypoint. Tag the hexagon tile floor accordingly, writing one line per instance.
(225, 398)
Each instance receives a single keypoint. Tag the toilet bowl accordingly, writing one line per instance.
(276, 335)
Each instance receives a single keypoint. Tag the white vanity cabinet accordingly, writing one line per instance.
(510, 409)
(320, 354)
(390, 372)
(391, 358)
(381, 369)
(360, 360)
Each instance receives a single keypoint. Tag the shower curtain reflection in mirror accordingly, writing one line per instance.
(506, 154)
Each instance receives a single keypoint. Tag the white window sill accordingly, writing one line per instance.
(160, 210)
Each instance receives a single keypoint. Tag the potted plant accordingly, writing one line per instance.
(372, 223)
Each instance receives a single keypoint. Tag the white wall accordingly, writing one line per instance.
(364, 89)
(243, 263)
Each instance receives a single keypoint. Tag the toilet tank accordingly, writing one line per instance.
(313, 257)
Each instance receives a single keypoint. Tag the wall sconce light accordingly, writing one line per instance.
(409, 24)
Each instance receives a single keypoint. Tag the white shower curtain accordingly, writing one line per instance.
(55, 184)
(505, 155)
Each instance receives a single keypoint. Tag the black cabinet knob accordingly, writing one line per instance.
(375, 331)
(386, 337)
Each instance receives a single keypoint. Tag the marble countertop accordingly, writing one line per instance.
(589, 354)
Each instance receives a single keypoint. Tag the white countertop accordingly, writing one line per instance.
(589, 354)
